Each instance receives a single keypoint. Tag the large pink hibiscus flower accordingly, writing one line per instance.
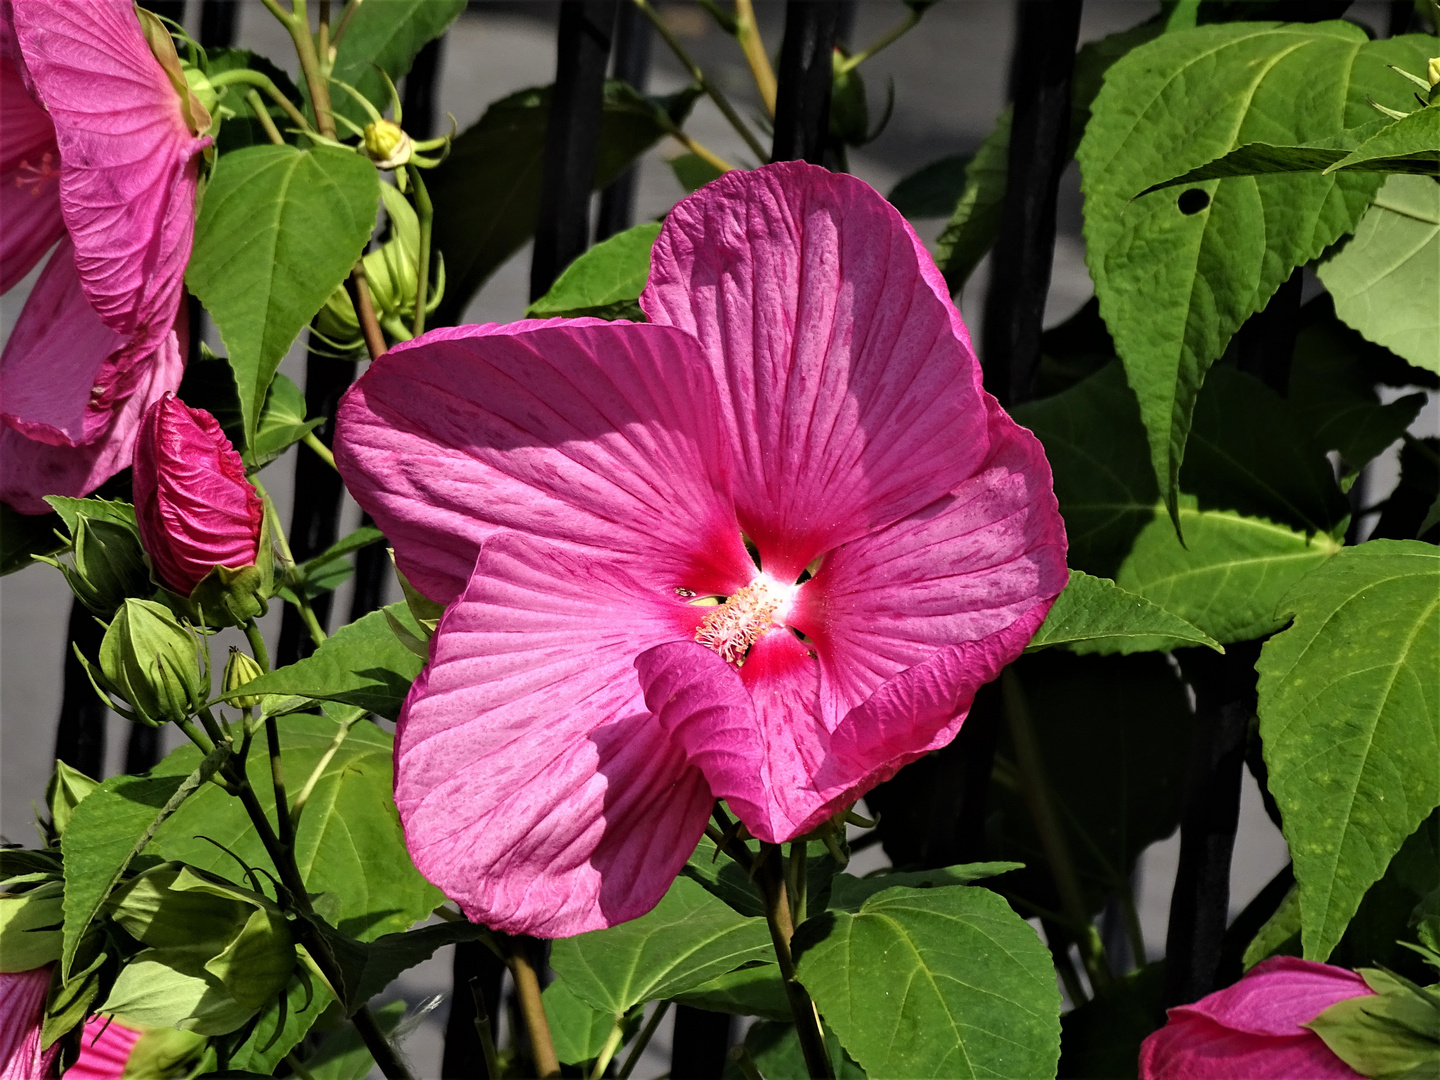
(763, 548)
(95, 153)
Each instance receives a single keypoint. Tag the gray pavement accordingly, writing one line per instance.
(949, 79)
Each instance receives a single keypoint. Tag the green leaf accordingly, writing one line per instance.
(487, 192)
(1350, 717)
(1386, 280)
(29, 937)
(753, 990)
(1411, 145)
(71, 510)
(1094, 615)
(282, 422)
(612, 272)
(775, 1050)
(348, 838)
(1261, 159)
(1332, 390)
(369, 967)
(364, 664)
(385, 35)
(1393, 1034)
(295, 1012)
(1277, 933)
(1178, 273)
(579, 1031)
(1254, 487)
(849, 893)
(690, 937)
(279, 229)
(693, 172)
(330, 569)
(975, 221)
(173, 989)
(945, 982)
(244, 128)
(933, 190)
(343, 1055)
(110, 827)
(1385, 920)
(724, 877)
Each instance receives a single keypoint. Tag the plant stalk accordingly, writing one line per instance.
(359, 289)
(425, 211)
(527, 994)
(643, 1040)
(770, 875)
(747, 32)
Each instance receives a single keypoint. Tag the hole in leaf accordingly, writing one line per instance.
(1193, 201)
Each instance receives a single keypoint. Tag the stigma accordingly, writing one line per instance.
(737, 624)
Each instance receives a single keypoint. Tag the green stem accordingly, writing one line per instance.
(646, 1034)
(1035, 787)
(298, 1068)
(850, 63)
(425, 211)
(257, 644)
(321, 450)
(299, 26)
(263, 115)
(487, 1037)
(532, 1009)
(262, 82)
(319, 770)
(607, 1052)
(711, 91)
(195, 735)
(770, 875)
(212, 726)
(795, 881)
(277, 781)
(747, 32)
(307, 613)
(358, 289)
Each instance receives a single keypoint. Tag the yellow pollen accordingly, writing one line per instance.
(35, 177)
(737, 623)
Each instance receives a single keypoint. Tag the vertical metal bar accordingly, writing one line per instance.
(80, 735)
(1046, 35)
(1200, 904)
(168, 9)
(316, 513)
(698, 1049)
(217, 23)
(572, 138)
(418, 98)
(464, 1057)
(802, 95)
(633, 38)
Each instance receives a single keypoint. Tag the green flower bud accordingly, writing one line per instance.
(167, 1052)
(386, 144)
(239, 670)
(64, 792)
(849, 111)
(107, 566)
(200, 87)
(1432, 71)
(152, 662)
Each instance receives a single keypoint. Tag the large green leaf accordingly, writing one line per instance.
(690, 937)
(754, 990)
(278, 231)
(1254, 488)
(111, 826)
(578, 1030)
(1350, 718)
(1386, 280)
(611, 275)
(932, 190)
(348, 840)
(774, 1049)
(944, 982)
(1094, 615)
(487, 192)
(1178, 271)
(364, 665)
(384, 36)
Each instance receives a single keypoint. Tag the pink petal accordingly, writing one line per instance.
(22, 1008)
(981, 563)
(105, 1047)
(534, 785)
(129, 164)
(783, 773)
(596, 434)
(60, 368)
(1194, 1047)
(1278, 995)
(29, 172)
(848, 386)
(30, 470)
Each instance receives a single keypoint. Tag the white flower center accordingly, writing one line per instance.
(737, 623)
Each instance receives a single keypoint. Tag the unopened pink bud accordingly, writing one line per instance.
(195, 509)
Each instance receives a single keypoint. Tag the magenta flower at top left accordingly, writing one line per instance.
(97, 162)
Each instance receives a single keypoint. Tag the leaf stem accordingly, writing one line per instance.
(307, 613)
(263, 115)
(770, 875)
(850, 63)
(257, 644)
(195, 735)
(643, 1040)
(532, 1008)
(711, 91)
(319, 770)
(425, 211)
(261, 81)
(1035, 788)
(277, 781)
(747, 32)
(607, 1052)
(299, 26)
(359, 289)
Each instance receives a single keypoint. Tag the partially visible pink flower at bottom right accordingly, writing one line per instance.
(1253, 1030)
